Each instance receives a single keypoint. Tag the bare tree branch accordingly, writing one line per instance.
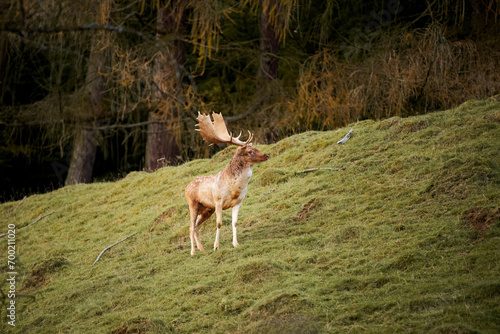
(325, 168)
(12, 27)
(48, 214)
(347, 136)
(20, 203)
(116, 243)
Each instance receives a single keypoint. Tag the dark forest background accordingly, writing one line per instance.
(91, 90)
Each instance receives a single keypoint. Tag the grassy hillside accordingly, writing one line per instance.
(404, 239)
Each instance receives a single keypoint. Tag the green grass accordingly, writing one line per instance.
(404, 239)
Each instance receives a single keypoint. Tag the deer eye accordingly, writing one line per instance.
(250, 152)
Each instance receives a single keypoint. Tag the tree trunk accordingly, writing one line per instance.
(478, 15)
(269, 41)
(4, 49)
(85, 145)
(82, 158)
(161, 145)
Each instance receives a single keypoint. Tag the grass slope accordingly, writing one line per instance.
(404, 239)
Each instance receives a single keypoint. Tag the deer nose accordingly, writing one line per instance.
(267, 156)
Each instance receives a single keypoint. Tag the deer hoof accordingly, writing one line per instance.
(235, 244)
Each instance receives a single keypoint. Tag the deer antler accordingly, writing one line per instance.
(216, 132)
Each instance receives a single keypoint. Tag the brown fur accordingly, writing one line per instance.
(226, 189)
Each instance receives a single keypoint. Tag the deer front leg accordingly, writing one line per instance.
(192, 228)
(236, 209)
(218, 214)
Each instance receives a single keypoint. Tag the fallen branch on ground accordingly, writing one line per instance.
(48, 214)
(116, 243)
(270, 191)
(325, 168)
(20, 203)
(347, 136)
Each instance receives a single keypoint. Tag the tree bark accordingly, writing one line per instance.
(83, 158)
(85, 144)
(269, 41)
(478, 15)
(4, 48)
(161, 145)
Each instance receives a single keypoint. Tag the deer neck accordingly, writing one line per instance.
(239, 169)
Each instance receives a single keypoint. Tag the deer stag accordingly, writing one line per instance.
(224, 190)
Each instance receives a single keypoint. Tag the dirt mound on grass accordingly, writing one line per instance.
(481, 218)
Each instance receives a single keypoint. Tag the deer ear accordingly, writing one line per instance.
(241, 150)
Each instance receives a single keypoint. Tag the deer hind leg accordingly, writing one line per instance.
(203, 214)
(196, 236)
